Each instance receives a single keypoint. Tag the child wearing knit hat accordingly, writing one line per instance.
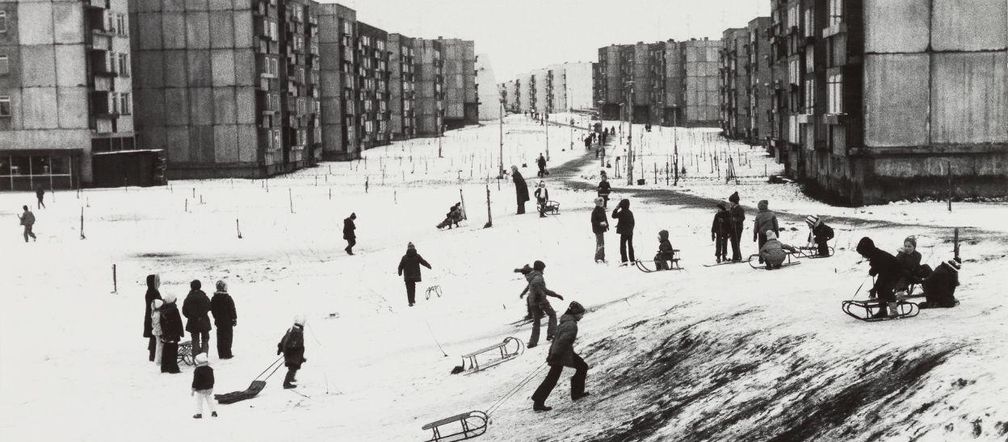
(202, 386)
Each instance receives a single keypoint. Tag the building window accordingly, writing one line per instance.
(836, 93)
(809, 25)
(5, 106)
(4, 65)
(810, 97)
(3, 22)
(121, 28)
(835, 12)
(124, 66)
(125, 106)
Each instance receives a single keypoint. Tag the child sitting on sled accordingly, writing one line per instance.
(772, 251)
(454, 216)
(666, 254)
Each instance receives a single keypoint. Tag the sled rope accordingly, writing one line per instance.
(275, 365)
(514, 390)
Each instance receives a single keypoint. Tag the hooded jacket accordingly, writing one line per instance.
(821, 233)
(940, 286)
(171, 322)
(722, 223)
(773, 251)
(27, 218)
(765, 220)
(909, 262)
(561, 351)
(149, 297)
(598, 220)
(292, 347)
(155, 318)
(409, 266)
(624, 217)
(665, 250)
(223, 309)
(881, 263)
(196, 309)
(604, 189)
(348, 228)
(521, 188)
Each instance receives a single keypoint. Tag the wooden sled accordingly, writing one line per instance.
(862, 310)
(254, 388)
(552, 207)
(508, 349)
(651, 266)
(754, 262)
(473, 423)
(811, 252)
(185, 355)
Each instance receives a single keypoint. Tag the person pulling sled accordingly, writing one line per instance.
(292, 348)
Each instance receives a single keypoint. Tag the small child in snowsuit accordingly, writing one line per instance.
(292, 347)
(720, 232)
(663, 259)
(819, 234)
(542, 198)
(202, 386)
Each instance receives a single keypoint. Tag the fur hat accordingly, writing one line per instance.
(912, 240)
(734, 198)
(195, 284)
(955, 264)
(168, 298)
(763, 205)
(811, 220)
(770, 234)
(299, 320)
(538, 266)
(156, 304)
(201, 359)
(222, 286)
(576, 308)
(599, 201)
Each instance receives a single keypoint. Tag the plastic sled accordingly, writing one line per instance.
(864, 310)
(811, 252)
(508, 349)
(473, 423)
(254, 388)
(185, 355)
(754, 262)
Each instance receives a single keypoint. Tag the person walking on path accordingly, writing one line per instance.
(600, 225)
(349, 233)
(521, 189)
(736, 215)
(542, 198)
(202, 386)
(40, 195)
(561, 354)
(604, 189)
(28, 220)
(171, 333)
(624, 227)
(765, 221)
(196, 309)
(409, 269)
(292, 347)
(720, 232)
(540, 304)
(153, 283)
(225, 319)
(541, 162)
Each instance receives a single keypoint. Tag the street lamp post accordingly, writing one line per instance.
(629, 162)
(501, 155)
(546, 122)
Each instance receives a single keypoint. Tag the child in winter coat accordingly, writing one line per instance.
(292, 347)
(624, 227)
(196, 309)
(153, 282)
(225, 318)
(736, 215)
(542, 198)
(540, 304)
(155, 316)
(409, 269)
(202, 386)
(765, 221)
(171, 333)
(887, 268)
(910, 262)
(663, 259)
(940, 285)
(773, 251)
(819, 234)
(720, 232)
(454, 216)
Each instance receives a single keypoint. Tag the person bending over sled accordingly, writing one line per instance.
(819, 234)
(663, 259)
(887, 270)
(454, 216)
(773, 251)
(940, 285)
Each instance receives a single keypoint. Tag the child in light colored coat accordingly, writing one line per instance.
(156, 330)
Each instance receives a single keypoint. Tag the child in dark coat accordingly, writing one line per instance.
(663, 259)
(196, 309)
(887, 269)
(153, 282)
(409, 269)
(819, 234)
(171, 333)
(940, 285)
(720, 232)
(292, 347)
(202, 386)
(225, 318)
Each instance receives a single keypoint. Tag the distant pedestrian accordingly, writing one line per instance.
(540, 303)
(196, 309)
(541, 162)
(521, 189)
(765, 221)
(561, 354)
(27, 220)
(202, 386)
(624, 227)
(153, 283)
(720, 232)
(171, 334)
(155, 318)
(292, 347)
(40, 194)
(600, 225)
(225, 319)
(736, 215)
(604, 189)
(542, 198)
(349, 233)
(409, 269)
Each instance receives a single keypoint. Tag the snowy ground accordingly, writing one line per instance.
(721, 353)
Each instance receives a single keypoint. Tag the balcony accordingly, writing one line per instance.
(99, 4)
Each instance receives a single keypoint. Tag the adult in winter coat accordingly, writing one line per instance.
(225, 319)
(599, 225)
(153, 283)
(541, 162)
(773, 251)
(604, 189)
(819, 234)
(561, 354)
(171, 334)
(720, 232)
(940, 285)
(349, 233)
(887, 269)
(27, 220)
(542, 198)
(155, 318)
(292, 347)
(624, 227)
(521, 189)
(765, 221)
(663, 259)
(196, 309)
(540, 304)
(409, 269)
(736, 215)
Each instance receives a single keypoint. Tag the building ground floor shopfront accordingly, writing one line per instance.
(40, 169)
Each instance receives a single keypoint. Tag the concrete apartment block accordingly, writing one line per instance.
(675, 80)
(578, 76)
(541, 89)
(702, 100)
(734, 84)
(373, 78)
(402, 87)
(339, 89)
(429, 88)
(65, 90)
(461, 103)
(489, 95)
(760, 76)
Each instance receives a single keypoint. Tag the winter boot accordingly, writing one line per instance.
(214, 413)
(882, 314)
(579, 396)
(197, 416)
(894, 309)
(540, 406)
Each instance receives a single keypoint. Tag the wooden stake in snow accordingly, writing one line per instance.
(489, 222)
(290, 197)
(115, 283)
(462, 200)
(955, 244)
(238, 228)
(948, 169)
(366, 184)
(82, 223)
(187, 205)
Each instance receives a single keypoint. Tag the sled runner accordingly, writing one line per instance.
(254, 388)
(864, 310)
(433, 290)
(473, 424)
(754, 262)
(552, 207)
(509, 349)
(652, 266)
(811, 252)
(723, 263)
(185, 355)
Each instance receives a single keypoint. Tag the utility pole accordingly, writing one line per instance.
(629, 162)
(501, 164)
(546, 122)
(440, 133)
(675, 145)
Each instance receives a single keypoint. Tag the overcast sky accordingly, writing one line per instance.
(521, 35)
